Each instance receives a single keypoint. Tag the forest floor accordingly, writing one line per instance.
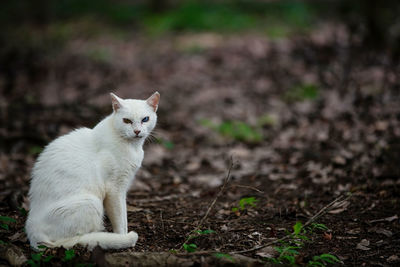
(302, 121)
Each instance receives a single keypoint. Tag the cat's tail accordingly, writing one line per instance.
(103, 239)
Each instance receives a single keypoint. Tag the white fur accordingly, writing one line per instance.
(79, 173)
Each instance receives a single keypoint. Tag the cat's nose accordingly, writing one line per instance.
(137, 132)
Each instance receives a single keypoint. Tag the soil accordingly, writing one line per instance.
(342, 138)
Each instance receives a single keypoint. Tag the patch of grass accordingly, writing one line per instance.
(236, 130)
(302, 92)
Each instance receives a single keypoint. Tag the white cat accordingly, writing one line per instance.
(78, 173)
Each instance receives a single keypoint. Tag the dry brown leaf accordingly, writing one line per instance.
(327, 236)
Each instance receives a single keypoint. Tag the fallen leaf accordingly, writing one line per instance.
(328, 236)
(339, 160)
(133, 209)
(363, 245)
(393, 259)
(268, 252)
(354, 231)
(19, 236)
(384, 232)
(388, 219)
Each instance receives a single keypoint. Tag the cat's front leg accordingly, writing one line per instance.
(115, 205)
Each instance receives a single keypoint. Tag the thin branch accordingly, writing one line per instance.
(226, 181)
(248, 187)
(322, 211)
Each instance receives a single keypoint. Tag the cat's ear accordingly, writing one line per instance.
(116, 102)
(153, 100)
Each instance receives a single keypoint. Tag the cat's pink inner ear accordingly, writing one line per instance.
(116, 102)
(153, 100)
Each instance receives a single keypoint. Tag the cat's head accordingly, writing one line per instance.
(134, 119)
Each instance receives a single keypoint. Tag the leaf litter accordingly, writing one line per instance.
(317, 145)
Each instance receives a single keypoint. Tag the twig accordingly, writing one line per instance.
(226, 181)
(248, 187)
(162, 222)
(341, 198)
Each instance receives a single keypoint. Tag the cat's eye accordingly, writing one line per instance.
(145, 119)
(127, 120)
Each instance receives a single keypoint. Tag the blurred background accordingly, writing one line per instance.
(304, 94)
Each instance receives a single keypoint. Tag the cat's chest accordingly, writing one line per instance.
(122, 167)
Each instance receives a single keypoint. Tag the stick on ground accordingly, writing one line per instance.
(226, 181)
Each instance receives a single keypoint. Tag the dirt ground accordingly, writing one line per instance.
(322, 120)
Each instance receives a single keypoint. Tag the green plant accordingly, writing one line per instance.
(35, 150)
(165, 143)
(200, 232)
(246, 201)
(302, 92)
(194, 234)
(23, 211)
(69, 255)
(287, 254)
(289, 248)
(5, 221)
(323, 260)
(205, 232)
(37, 258)
(190, 247)
(318, 226)
(236, 130)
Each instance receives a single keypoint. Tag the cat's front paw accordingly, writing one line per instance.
(133, 237)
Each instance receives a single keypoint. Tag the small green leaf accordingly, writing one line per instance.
(319, 226)
(36, 257)
(205, 232)
(329, 258)
(23, 211)
(297, 228)
(247, 201)
(7, 219)
(48, 258)
(4, 226)
(69, 255)
(315, 263)
(33, 263)
(42, 247)
(33, 150)
(190, 247)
